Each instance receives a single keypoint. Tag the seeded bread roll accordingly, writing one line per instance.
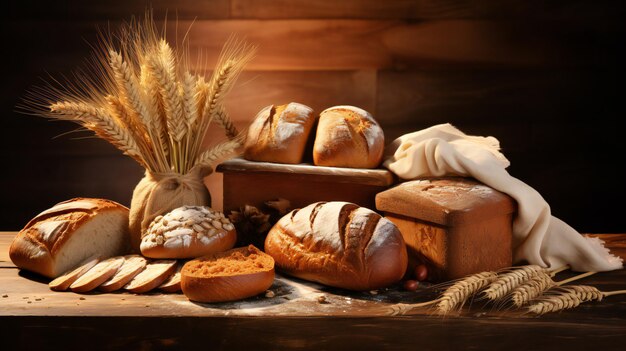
(188, 232)
(348, 136)
(279, 133)
(64, 236)
(338, 244)
(227, 276)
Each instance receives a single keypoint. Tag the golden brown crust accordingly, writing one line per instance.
(366, 252)
(222, 240)
(348, 137)
(279, 134)
(36, 245)
(203, 280)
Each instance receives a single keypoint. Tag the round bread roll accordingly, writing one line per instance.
(279, 133)
(348, 136)
(338, 244)
(227, 276)
(188, 232)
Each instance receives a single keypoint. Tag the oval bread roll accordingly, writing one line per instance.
(228, 276)
(348, 136)
(60, 238)
(338, 244)
(188, 232)
(279, 133)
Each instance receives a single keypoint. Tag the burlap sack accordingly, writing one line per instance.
(159, 193)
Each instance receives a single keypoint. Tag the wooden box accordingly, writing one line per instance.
(456, 226)
(253, 183)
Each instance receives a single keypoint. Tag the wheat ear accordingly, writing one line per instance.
(537, 286)
(132, 95)
(219, 151)
(454, 297)
(98, 121)
(507, 282)
(222, 118)
(570, 297)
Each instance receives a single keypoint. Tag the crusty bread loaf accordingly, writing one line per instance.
(133, 265)
(279, 133)
(348, 136)
(228, 276)
(97, 275)
(60, 238)
(64, 281)
(188, 232)
(152, 276)
(338, 244)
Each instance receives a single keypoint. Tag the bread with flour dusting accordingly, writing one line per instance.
(279, 133)
(348, 136)
(188, 232)
(64, 236)
(338, 244)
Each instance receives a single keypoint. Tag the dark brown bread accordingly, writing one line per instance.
(228, 276)
(338, 244)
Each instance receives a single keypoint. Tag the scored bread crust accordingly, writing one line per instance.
(348, 136)
(231, 286)
(338, 244)
(37, 246)
(279, 133)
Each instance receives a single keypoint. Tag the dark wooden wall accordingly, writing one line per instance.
(545, 77)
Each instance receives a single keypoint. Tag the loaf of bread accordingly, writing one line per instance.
(64, 236)
(279, 133)
(228, 276)
(188, 232)
(348, 136)
(338, 244)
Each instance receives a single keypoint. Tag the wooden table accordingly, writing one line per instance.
(34, 317)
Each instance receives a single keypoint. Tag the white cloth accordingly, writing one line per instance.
(538, 237)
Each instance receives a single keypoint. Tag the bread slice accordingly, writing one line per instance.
(172, 284)
(133, 265)
(64, 281)
(60, 238)
(228, 276)
(97, 275)
(154, 275)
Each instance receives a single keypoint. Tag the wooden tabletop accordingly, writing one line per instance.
(32, 316)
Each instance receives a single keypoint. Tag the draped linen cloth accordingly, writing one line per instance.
(538, 237)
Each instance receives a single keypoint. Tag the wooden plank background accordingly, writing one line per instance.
(546, 78)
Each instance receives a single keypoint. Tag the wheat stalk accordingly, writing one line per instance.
(209, 157)
(570, 297)
(143, 99)
(454, 297)
(97, 120)
(507, 282)
(537, 286)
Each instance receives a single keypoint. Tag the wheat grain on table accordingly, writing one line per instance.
(300, 315)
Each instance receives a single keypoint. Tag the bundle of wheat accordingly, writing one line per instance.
(142, 97)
